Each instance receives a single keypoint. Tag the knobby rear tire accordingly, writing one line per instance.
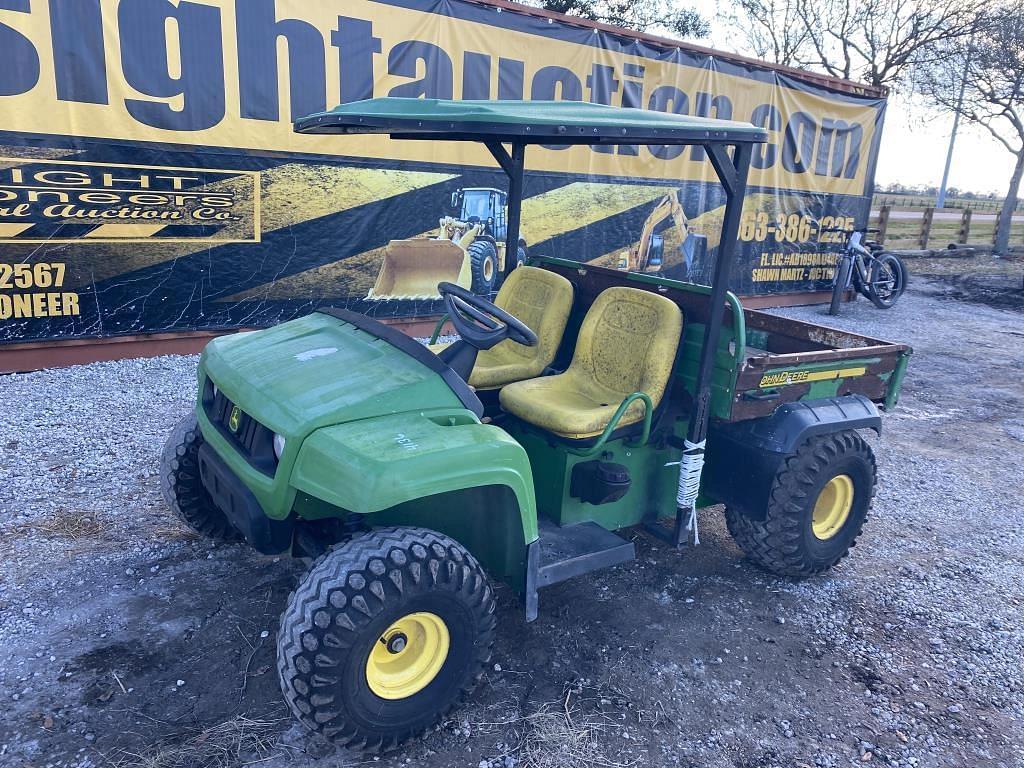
(899, 272)
(784, 541)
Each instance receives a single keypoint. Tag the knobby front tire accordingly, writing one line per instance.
(384, 635)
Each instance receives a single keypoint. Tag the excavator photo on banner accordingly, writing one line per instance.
(648, 255)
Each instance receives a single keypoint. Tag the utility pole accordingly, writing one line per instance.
(941, 202)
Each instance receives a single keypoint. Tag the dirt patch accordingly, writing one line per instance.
(994, 290)
(981, 279)
(154, 648)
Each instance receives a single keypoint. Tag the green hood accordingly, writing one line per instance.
(321, 370)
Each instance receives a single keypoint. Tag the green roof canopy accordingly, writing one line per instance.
(525, 122)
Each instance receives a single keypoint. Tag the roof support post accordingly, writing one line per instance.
(499, 153)
(515, 205)
(725, 168)
(732, 172)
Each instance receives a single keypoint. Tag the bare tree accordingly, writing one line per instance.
(642, 15)
(874, 41)
(991, 67)
(774, 30)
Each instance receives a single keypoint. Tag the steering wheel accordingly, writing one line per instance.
(481, 323)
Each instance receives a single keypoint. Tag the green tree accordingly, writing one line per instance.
(655, 16)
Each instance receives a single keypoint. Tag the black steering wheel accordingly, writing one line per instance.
(481, 323)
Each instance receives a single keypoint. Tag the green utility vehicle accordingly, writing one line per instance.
(580, 402)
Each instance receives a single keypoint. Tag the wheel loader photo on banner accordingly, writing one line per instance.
(469, 251)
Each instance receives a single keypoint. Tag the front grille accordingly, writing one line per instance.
(253, 440)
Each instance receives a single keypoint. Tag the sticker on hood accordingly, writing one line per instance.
(310, 354)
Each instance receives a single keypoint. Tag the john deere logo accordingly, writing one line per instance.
(235, 419)
(783, 378)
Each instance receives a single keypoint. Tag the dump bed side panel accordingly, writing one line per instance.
(788, 360)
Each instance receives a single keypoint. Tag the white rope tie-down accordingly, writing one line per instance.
(691, 465)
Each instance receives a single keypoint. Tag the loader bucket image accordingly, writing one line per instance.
(412, 269)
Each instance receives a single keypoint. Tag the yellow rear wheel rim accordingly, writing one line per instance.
(488, 270)
(408, 656)
(832, 507)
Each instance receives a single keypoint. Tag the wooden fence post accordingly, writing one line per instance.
(926, 228)
(883, 223)
(965, 226)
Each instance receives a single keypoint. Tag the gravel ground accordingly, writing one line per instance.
(126, 641)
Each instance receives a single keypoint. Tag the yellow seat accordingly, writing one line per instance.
(627, 344)
(542, 300)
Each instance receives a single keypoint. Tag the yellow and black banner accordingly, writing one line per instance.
(150, 179)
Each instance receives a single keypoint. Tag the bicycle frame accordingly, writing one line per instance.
(861, 257)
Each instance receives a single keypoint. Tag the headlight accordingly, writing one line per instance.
(278, 446)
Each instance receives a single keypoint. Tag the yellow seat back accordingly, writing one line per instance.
(628, 342)
(542, 300)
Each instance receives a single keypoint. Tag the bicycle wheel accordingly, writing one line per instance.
(842, 279)
(887, 279)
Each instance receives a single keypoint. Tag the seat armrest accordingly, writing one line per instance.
(437, 328)
(613, 424)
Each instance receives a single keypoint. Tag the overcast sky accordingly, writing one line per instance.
(914, 145)
(914, 141)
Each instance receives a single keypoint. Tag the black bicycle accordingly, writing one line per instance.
(870, 270)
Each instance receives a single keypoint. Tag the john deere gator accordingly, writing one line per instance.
(580, 403)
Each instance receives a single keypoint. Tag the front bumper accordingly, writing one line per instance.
(232, 497)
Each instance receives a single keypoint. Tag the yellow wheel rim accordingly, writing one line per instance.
(408, 656)
(832, 508)
(488, 270)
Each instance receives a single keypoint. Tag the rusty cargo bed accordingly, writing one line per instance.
(787, 359)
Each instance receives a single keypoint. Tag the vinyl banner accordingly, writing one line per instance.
(150, 180)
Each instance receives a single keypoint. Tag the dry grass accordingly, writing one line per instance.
(553, 739)
(568, 733)
(65, 524)
(232, 744)
(77, 526)
(905, 233)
